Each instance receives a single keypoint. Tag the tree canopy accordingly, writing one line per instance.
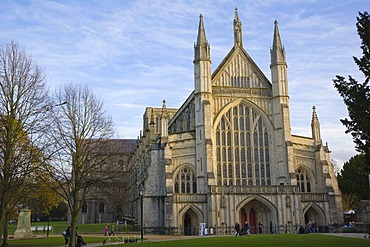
(353, 177)
(356, 95)
(80, 131)
(23, 119)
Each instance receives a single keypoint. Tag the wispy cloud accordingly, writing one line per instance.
(134, 54)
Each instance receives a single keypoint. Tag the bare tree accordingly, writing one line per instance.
(23, 100)
(80, 134)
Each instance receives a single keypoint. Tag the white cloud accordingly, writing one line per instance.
(136, 53)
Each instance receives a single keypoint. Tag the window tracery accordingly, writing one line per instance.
(185, 181)
(242, 148)
(303, 180)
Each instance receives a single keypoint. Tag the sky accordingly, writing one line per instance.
(134, 54)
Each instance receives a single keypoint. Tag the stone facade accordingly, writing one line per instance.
(109, 201)
(228, 155)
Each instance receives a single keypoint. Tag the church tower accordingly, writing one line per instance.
(203, 110)
(281, 111)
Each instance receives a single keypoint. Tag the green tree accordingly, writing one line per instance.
(23, 123)
(353, 177)
(356, 95)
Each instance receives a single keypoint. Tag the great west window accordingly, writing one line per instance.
(242, 148)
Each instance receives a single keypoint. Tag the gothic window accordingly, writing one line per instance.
(101, 207)
(185, 181)
(242, 148)
(303, 180)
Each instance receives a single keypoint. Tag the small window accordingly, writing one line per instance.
(101, 207)
(120, 165)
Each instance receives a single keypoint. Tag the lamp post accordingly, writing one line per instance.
(141, 193)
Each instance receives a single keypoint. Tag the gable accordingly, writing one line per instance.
(239, 70)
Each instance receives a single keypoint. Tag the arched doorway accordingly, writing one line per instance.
(313, 214)
(255, 211)
(191, 223)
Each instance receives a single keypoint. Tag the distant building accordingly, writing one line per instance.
(110, 202)
(228, 155)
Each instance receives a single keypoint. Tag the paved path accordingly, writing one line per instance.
(347, 235)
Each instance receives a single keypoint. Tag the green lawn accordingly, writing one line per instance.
(59, 226)
(265, 240)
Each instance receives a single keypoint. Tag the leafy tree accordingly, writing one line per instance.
(353, 177)
(23, 122)
(41, 197)
(356, 95)
(80, 131)
(350, 201)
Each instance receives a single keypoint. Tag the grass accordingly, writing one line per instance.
(265, 240)
(59, 226)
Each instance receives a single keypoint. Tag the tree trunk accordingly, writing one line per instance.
(74, 216)
(4, 225)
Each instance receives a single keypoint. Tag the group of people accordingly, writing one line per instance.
(67, 236)
(245, 230)
(109, 230)
(311, 227)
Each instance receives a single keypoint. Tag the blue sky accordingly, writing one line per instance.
(134, 54)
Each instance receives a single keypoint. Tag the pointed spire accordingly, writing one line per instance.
(278, 50)
(315, 126)
(164, 106)
(201, 48)
(164, 121)
(238, 39)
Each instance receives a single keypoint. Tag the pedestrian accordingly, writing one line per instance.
(111, 231)
(271, 229)
(246, 228)
(336, 226)
(106, 230)
(237, 229)
(367, 232)
(67, 235)
(301, 230)
(260, 226)
(314, 229)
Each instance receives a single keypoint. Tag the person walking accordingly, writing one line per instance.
(260, 227)
(67, 236)
(106, 228)
(237, 229)
(246, 228)
(271, 229)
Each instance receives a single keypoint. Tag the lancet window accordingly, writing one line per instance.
(185, 181)
(303, 180)
(242, 148)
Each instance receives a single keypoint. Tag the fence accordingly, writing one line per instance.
(229, 230)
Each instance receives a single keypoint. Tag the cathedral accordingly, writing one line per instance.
(227, 154)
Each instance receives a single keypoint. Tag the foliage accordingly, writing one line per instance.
(41, 197)
(79, 133)
(23, 123)
(356, 95)
(60, 212)
(353, 178)
(350, 201)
